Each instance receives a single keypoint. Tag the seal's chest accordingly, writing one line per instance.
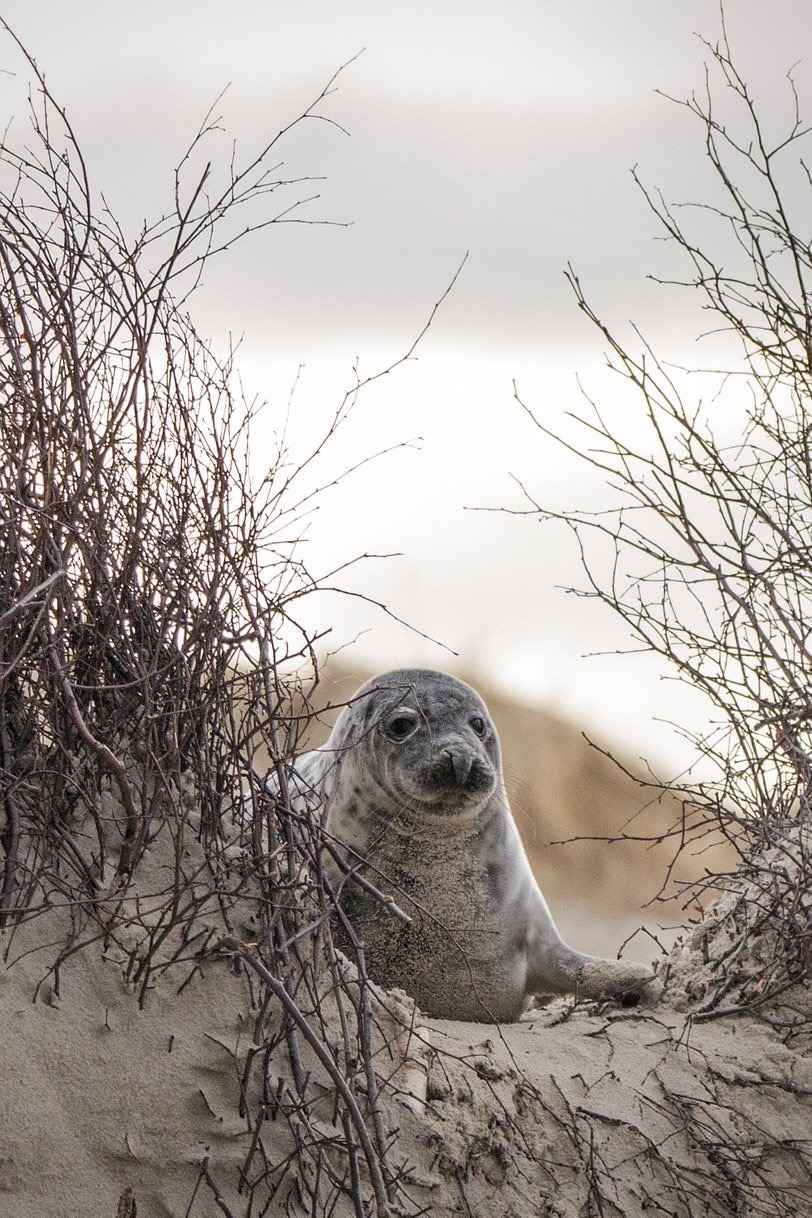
(445, 892)
(453, 957)
(456, 931)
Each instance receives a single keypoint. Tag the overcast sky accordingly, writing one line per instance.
(507, 134)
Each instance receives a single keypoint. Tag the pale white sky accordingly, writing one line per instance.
(505, 133)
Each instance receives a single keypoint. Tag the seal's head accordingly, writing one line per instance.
(423, 738)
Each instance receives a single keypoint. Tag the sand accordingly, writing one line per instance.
(693, 1107)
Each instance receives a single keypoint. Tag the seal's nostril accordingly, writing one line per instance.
(455, 764)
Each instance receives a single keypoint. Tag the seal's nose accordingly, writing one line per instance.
(459, 768)
(459, 764)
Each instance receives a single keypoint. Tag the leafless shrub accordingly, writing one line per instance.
(704, 551)
(148, 642)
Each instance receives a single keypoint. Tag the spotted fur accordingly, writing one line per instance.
(410, 783)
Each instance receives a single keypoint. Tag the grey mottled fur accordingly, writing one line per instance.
(426, 818)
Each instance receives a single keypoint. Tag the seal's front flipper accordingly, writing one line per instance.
(630, 983)
(564, 971)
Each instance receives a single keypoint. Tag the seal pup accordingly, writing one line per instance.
(411, 790)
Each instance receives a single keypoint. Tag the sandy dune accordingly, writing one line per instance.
(188, 1101)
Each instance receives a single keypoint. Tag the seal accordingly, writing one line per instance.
(412, 794)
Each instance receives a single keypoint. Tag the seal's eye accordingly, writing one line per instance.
(479, 725)
(402, 725)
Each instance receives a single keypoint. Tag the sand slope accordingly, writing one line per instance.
(679, 1110)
